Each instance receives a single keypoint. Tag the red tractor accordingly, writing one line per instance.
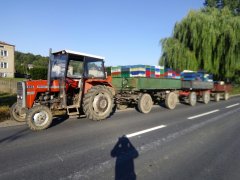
(76, 82)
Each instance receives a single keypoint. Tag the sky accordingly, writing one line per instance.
(125, 32)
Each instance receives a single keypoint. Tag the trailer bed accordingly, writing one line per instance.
(222, 88)
(197, 85)
(143, 83)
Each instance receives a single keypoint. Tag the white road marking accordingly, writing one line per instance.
(203, 114)
(232, 105)
(145, 131)
(99, 168)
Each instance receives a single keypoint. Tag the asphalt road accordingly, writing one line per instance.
(200, 142)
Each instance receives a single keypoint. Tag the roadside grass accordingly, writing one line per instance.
(235, 90)
(6, 101)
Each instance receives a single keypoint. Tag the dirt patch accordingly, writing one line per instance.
(10, 122)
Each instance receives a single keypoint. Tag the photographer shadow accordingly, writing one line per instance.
(125, 154)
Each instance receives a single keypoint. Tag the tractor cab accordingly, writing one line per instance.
(72, 69)
(71, 64)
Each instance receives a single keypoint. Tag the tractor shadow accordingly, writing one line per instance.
(125, 153)
(58, 119)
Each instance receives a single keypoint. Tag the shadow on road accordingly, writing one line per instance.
(15, 136)
(58, 120)
(125, 154)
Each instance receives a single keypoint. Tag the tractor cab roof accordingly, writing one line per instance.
(74, 53)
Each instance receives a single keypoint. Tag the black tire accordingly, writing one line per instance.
(39, 118)
(226, 96)
(98, 103)
(15, 114)
(145, 103)
(192, 98)
(171, 100)
(206, 97)
(122, 106)
(217, 97)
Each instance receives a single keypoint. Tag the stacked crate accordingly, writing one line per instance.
(196, 76)
(138, 71)
(116, 71)
(169, 73)
(125, 71)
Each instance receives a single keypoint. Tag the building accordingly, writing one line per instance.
(7, 68)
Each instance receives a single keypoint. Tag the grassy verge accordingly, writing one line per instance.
(235, 90)
(6, 101)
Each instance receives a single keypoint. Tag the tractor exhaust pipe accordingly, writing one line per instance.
(49, 69)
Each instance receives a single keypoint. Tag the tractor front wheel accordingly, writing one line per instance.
(98, 103)
(14, 113)
(39, 117)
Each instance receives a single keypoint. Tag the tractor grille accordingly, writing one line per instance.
(21, 94)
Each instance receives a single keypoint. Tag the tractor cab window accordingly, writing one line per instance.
(75, 69)
(58, 64)
(95, 69)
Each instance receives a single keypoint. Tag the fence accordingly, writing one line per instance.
(8, 85)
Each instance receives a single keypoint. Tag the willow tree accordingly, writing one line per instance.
(208, 39)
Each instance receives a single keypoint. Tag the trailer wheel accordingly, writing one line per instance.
(192, 98)
(226, 96)
(98, 103)
(171, 100)
(39, 118)
(217, 97)
(145, 103)
(122, 106)
(206, 97)
(15, 114)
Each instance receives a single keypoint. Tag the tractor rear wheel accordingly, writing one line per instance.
(16, 115)
(145, 103)
(171, 100)
(98, 103)
(39, 118)
(206, 97)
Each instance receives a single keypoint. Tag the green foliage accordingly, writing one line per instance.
(38, 73)
(233, 5)
(22, 60)
(177, 56)
(207, 39)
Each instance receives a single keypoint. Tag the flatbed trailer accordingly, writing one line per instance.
(219, 90)
(144, 92)
(192, 91)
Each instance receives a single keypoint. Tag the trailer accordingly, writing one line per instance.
(192, 91)
(144, 92)
(220, 89)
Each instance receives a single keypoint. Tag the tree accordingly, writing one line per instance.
(233, 5)
(22, 60)
(208, 39)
